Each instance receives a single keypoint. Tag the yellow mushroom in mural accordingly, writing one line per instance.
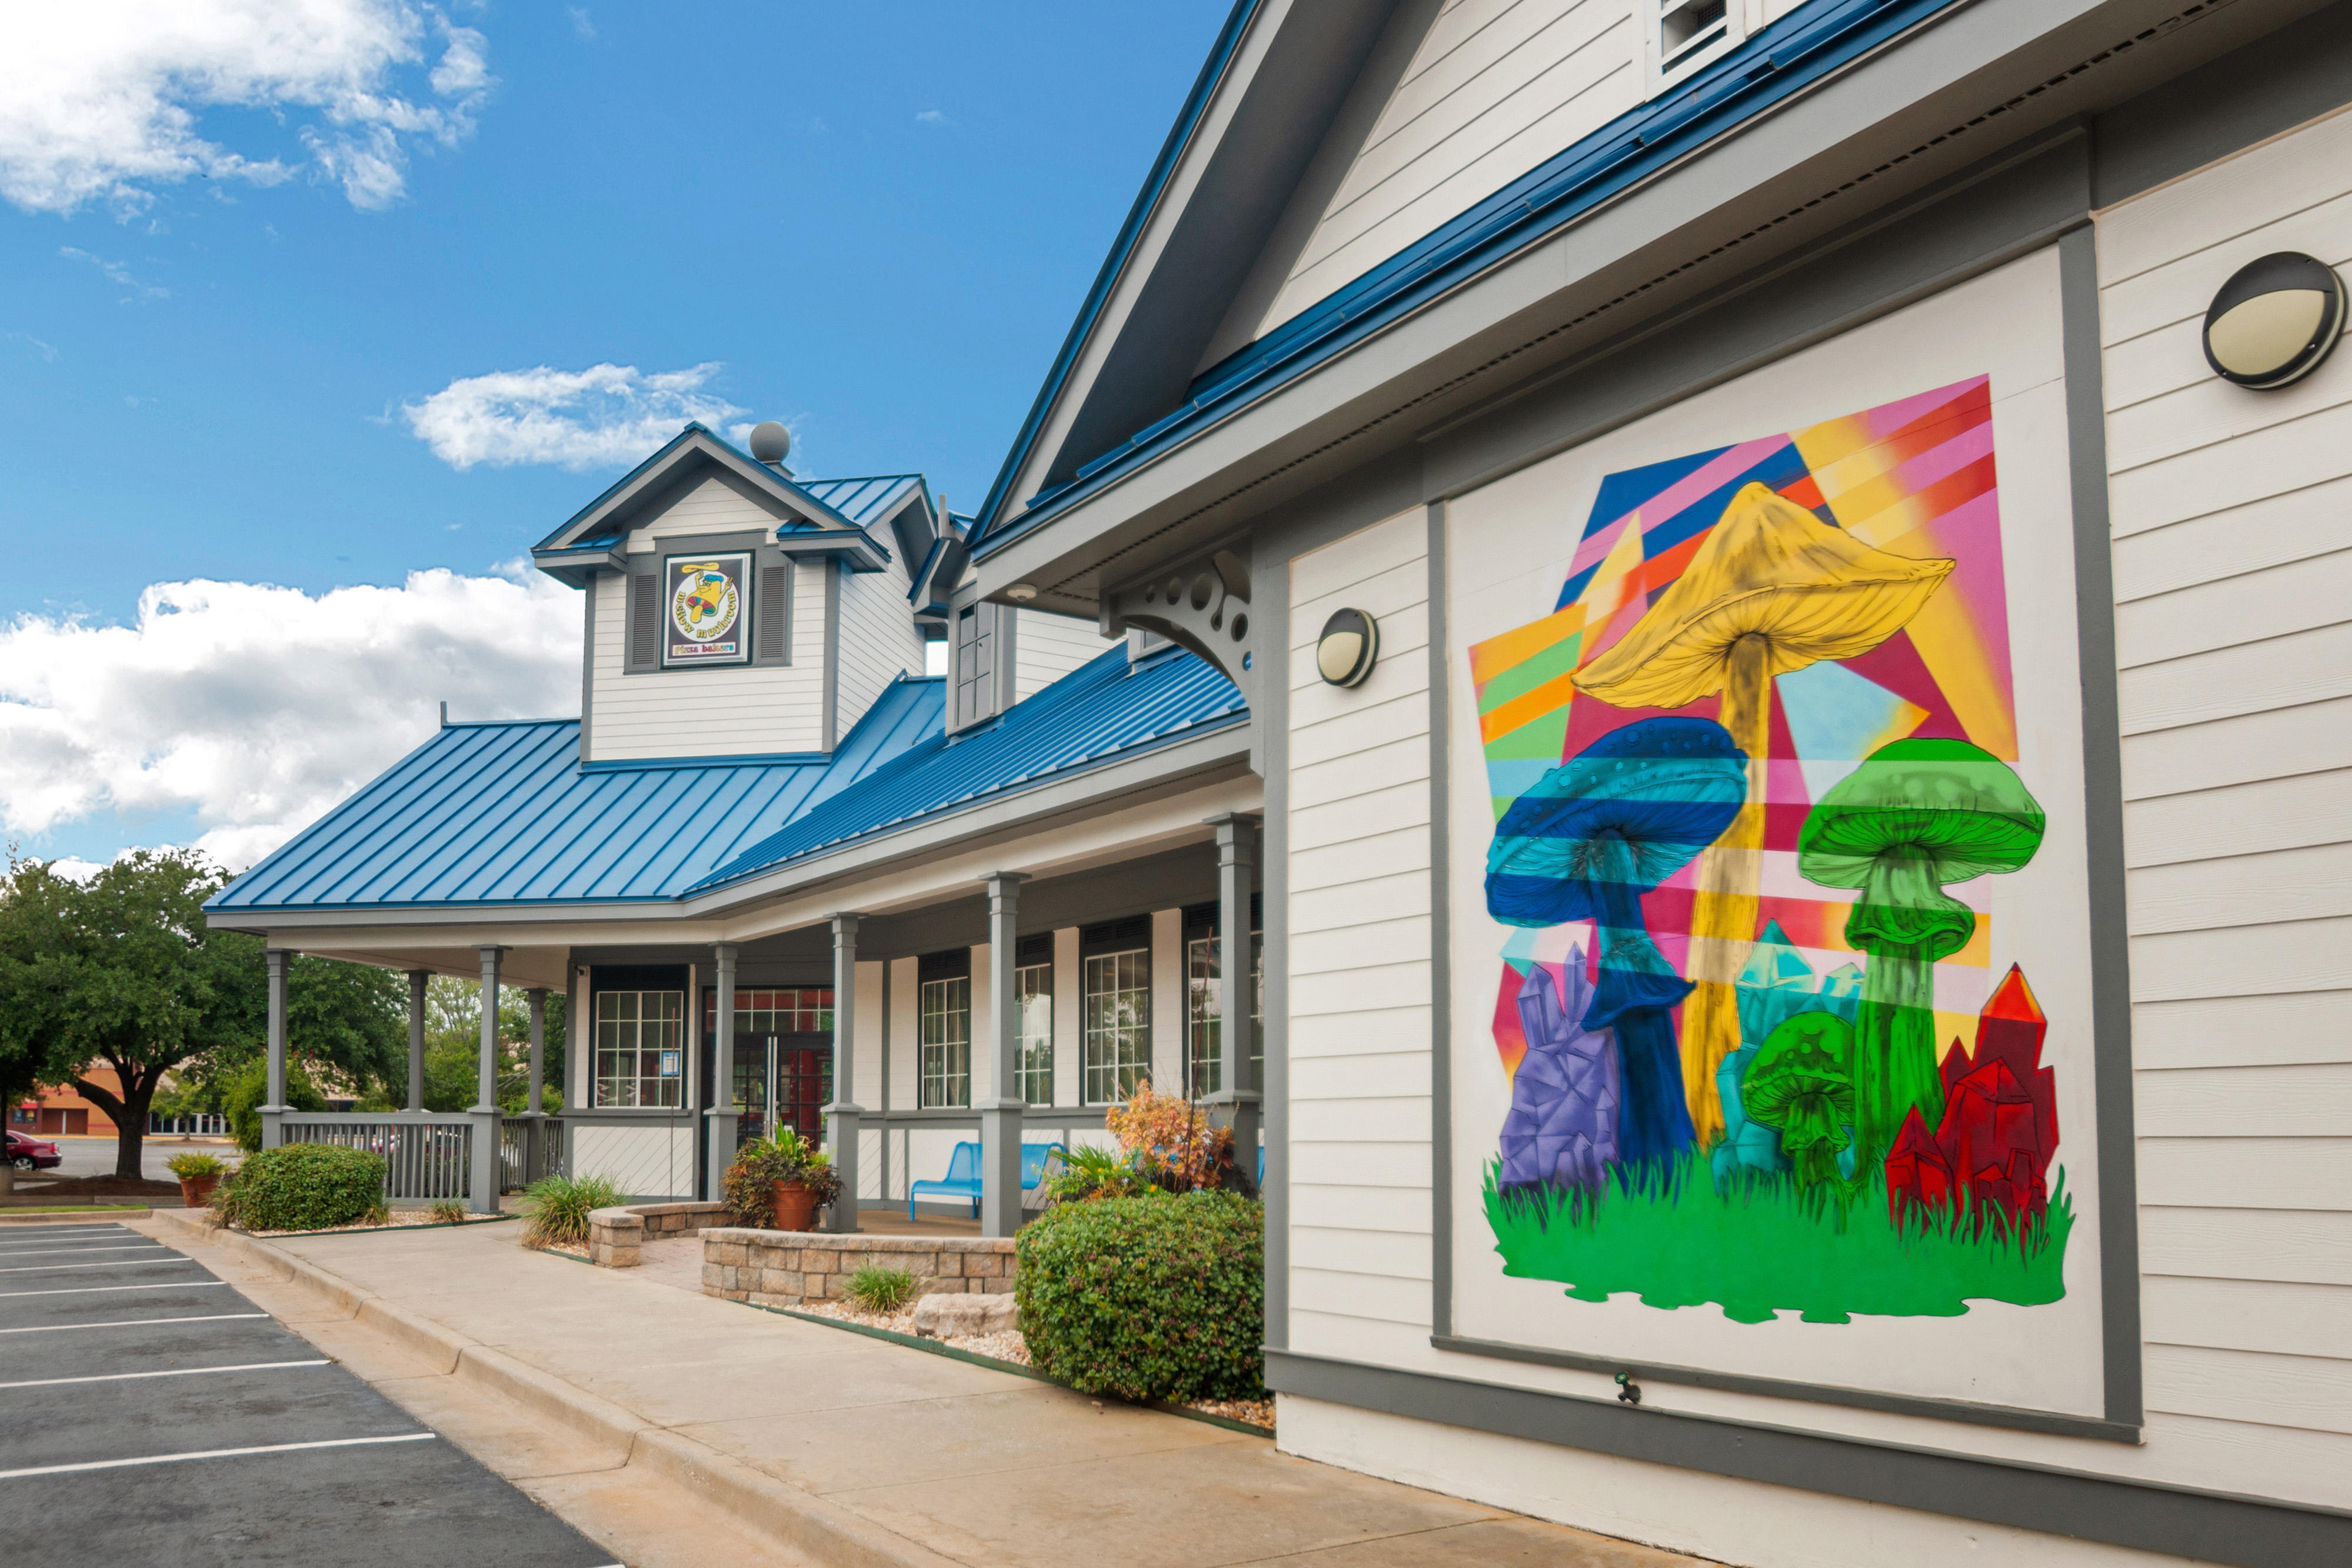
(1771, 590)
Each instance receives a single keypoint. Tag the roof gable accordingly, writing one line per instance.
(1277, 77)
(593, 536)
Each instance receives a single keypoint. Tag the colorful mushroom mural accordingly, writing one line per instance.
(1750, 779)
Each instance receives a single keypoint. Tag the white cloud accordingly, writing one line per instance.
(584, 25)
(930, 117)
(117, 273)
(256, 708)
(100, 100)
(594, 418)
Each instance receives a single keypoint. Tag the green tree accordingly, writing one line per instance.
(122, 970)
(30, 1054)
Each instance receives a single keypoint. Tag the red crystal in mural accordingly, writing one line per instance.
(2000, 1125)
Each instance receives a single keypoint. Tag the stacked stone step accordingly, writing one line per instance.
(786, 1268)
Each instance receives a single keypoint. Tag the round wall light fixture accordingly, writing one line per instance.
(2274, 321)
(1350, 644)
(1021, 592)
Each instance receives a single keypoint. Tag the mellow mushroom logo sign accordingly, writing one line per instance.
(1752, 780)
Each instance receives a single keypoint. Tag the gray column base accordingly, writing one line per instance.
(1239, 1110)
(482, 1195)
(272, 1132)
(999, 1166)
(841, 1123)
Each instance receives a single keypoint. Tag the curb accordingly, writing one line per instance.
(825, 1531)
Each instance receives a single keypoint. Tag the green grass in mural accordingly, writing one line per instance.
(1760, 1248)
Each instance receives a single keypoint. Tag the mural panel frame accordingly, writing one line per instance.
(2100, 1398)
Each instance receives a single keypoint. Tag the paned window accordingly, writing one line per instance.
(1205, 1063)
(944, 1012)
(1034, 984)
(640, 1048)
(1117, 1023)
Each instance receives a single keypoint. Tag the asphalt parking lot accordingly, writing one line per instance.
(149, 1413)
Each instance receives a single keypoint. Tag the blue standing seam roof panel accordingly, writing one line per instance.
(505, 813)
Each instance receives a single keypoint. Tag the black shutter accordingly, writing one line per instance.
(1034, 950)
(773, 642)
(643, 651)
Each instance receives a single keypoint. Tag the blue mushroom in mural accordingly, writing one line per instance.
(1592, 836)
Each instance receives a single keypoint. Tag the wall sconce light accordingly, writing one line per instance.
(1350, 645)
(2274, 321)
(1021, 592)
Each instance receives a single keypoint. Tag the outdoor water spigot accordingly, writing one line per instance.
(1628, 1391)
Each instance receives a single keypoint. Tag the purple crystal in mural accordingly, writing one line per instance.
(1562, 1130)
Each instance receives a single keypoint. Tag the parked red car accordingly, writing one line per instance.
(30, 1153)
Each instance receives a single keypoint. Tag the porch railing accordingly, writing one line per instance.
(196, 1126)
(530, 1147)
(427, 1157)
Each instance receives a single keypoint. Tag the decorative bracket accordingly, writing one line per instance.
(1203, 605)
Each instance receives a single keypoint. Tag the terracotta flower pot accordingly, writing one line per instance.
(794, 1206)
(196, 1192)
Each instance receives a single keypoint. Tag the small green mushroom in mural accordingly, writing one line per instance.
(1914, 817)
(1801, 1082)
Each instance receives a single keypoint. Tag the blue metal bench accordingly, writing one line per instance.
(963, 1179)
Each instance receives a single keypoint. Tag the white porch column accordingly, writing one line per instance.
(273, 1106)
(842, 1115)
(1236, 1099)
(484, 1175)
(1001, 1114)
(417, 980)
(718, 1117)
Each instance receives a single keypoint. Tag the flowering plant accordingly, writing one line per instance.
(1169, 1136)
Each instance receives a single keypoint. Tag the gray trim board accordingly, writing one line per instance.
(2148, 1516)
(2103, 821)
(1441, 956)
(1271, 584)
(830, 733)
(588, 661)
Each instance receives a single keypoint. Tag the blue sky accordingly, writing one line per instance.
(219, 333)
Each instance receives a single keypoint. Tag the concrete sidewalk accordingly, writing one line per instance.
(860, 1451)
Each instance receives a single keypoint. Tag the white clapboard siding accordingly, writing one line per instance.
(1494, 88)
(1047, 647)
(2249, 1314)
(710, 507)
(1360, 961)
(2303, 809)
(2233, 576)
(707, 713)
(878, 642)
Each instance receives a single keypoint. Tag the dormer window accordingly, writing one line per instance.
(1685, 34)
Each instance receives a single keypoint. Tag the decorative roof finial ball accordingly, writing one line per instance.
(770, 441)
(2274, 321)
(1348, 647)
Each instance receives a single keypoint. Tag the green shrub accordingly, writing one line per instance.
(195, 1166)
(881, 1290)
(559, 1205)
(447, 1211)
(1147, 1298)
(249, 1090)
(303, 1186)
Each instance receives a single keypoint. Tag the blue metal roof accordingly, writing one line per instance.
(1771, 66)
(506, 813)
(1100, 713)
(863, 501)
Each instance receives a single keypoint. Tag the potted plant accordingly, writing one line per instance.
(779, 1182)
(198, 1174)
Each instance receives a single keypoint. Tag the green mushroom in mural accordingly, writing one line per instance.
(1801, 1082)
(1914, 817)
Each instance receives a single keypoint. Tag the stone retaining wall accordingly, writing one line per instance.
(786, 1268)
(615, 1234)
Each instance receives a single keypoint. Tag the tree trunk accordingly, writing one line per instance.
(127, 1112)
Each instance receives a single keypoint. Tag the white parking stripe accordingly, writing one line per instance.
(46, 1232)
(61, 1268)
(54, 1251)
(135, 1322)
(167, 1371)
(103, 1290)
(210, 1454)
